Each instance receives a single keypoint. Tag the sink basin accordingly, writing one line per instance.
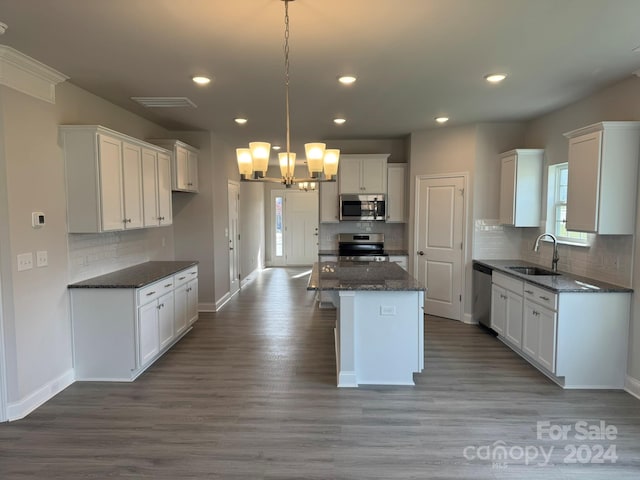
(533, 271)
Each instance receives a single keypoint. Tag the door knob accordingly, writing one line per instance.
(420, 252)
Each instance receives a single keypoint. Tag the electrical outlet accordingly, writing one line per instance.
(25, 261)
(42, 259)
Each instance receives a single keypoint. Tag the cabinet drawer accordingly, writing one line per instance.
(508, 282)
(155, 290)
(185, 275)
(541, 296)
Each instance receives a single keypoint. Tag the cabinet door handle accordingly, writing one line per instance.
(182, 278)
(150, 293)
(546, 299)
(168, 285)
(530, 292)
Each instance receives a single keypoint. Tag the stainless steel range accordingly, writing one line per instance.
(361, 247)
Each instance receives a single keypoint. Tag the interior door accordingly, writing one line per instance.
(439, 243)
(301, 228)
(233, 191)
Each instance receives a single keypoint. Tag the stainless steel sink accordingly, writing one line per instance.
(533, 271)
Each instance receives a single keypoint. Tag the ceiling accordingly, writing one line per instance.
(414, 59)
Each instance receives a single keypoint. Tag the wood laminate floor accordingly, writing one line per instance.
(250, 393)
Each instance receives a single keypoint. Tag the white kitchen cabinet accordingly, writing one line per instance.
(104, 179)
(577, 338)
(603, 166)
(184, 164)
(156, 187)
(329, 205)
(521, 187)
(396, 193)
(506, 307)
(119, 332)
(363, 173)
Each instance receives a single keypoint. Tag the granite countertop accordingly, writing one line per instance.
(565, 282)
(367, 276)
(331, 253)
(136, 276)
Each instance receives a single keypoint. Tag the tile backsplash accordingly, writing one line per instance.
(95, 254)
(608, 258)
(394, 233)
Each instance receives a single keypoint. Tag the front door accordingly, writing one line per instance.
(233, 192)
(301, 228)
(439, 243)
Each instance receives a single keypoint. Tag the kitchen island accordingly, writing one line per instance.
(379, 332)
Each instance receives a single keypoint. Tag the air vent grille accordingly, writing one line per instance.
(164, 102)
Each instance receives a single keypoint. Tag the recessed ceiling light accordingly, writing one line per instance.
(495, 77)
(442, 119)
(339, 121)
(276, 147)
(347, 79)
(200, 80)
(240, 121)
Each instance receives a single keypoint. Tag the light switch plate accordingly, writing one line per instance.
(25, 261)
(42, 259)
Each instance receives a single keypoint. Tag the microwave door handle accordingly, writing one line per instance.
(375, 209)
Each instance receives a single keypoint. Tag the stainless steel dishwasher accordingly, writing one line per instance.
(482, 295)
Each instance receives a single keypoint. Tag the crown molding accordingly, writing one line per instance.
(27, 75)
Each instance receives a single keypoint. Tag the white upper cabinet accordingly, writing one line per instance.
(184, 164)
(156, 188)
(396, 192)
(603, 166)
(363, 173)
(104, 179)
(329, 208)
(521, 187)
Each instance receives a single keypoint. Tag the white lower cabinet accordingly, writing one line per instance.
(577, 338)
(119, 332)
(539, 341)
(506, 307)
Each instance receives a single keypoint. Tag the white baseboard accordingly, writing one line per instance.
(632, 386)
(223, 300)
(22, 408)
(468, 319)
(206, 307)
(250, 278)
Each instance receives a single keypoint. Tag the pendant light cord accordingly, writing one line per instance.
(286, 82)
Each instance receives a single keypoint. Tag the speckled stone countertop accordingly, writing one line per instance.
(368, 276)
(136, 276)
(334, 253)
(565, 282)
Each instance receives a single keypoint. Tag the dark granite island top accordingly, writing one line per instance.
(564, 282)
(136, 276)
(365, 276)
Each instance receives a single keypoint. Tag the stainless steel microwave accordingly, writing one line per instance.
(362, 207)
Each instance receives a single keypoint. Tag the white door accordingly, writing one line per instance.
(439, 243)
(301, 228)
(150, 187)
(132, 185)
(3, 390)
(165, 212)
(111, 206)
(233, 191)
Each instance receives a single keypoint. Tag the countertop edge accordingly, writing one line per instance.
(146, 273)
(551, 282)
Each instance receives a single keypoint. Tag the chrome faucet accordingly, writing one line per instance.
(554, 261)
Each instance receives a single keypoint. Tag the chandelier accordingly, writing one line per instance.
(322, 162)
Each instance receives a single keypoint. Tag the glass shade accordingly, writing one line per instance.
(287, 163)
(331, 160)
(245, 163)
(260, 154)
(315, 155)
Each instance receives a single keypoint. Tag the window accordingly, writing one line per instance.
(279, 230)
(557, 206)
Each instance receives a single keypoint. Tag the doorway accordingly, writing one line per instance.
(233, 193)
(294, 228)
(439, 241)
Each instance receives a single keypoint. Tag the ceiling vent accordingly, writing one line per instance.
(164, 102)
